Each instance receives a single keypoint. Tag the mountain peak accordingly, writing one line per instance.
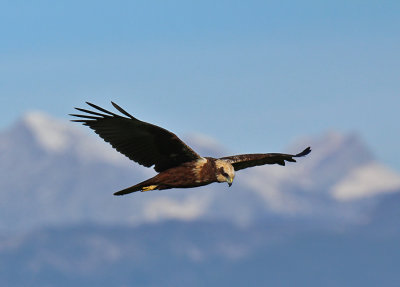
(55, 136)
(49, 132)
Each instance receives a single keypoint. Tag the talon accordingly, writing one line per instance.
(150, 187)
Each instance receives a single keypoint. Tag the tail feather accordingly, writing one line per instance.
(137, 187)
(131, 189)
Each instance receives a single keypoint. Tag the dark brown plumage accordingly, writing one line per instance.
(178, 166)
(249, 160)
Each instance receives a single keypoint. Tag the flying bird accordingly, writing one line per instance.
(178, 166)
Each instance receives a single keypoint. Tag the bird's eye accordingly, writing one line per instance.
(222, 171)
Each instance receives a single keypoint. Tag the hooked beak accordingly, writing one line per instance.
(229, 181)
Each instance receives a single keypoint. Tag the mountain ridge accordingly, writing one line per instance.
(62, 175)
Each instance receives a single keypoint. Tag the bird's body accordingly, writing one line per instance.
(190, 174)
(178, 166)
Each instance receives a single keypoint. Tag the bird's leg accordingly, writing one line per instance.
(150, 187)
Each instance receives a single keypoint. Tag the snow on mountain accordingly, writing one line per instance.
(333, 156)
(366, 181)
(55, 172)
(347, 168)
(49, 133)
(310, 187)
(58, 136)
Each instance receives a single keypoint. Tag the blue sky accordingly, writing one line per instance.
(254, 75)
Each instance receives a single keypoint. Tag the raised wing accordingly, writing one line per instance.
(249, 160)
(141, 142)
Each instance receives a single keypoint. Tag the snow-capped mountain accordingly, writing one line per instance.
(55, 172)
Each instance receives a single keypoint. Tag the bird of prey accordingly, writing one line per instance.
(178, 166)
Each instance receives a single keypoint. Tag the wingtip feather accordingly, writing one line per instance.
(85, 116)
(304, 152)
(122, 110)
(101, 109)
(91, 112)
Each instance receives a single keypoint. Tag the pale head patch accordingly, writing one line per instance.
(225, 170)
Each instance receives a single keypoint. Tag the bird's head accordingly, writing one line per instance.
(225, 171)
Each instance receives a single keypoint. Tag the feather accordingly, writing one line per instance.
(122, 110)
(141, 142)
(249, 160)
